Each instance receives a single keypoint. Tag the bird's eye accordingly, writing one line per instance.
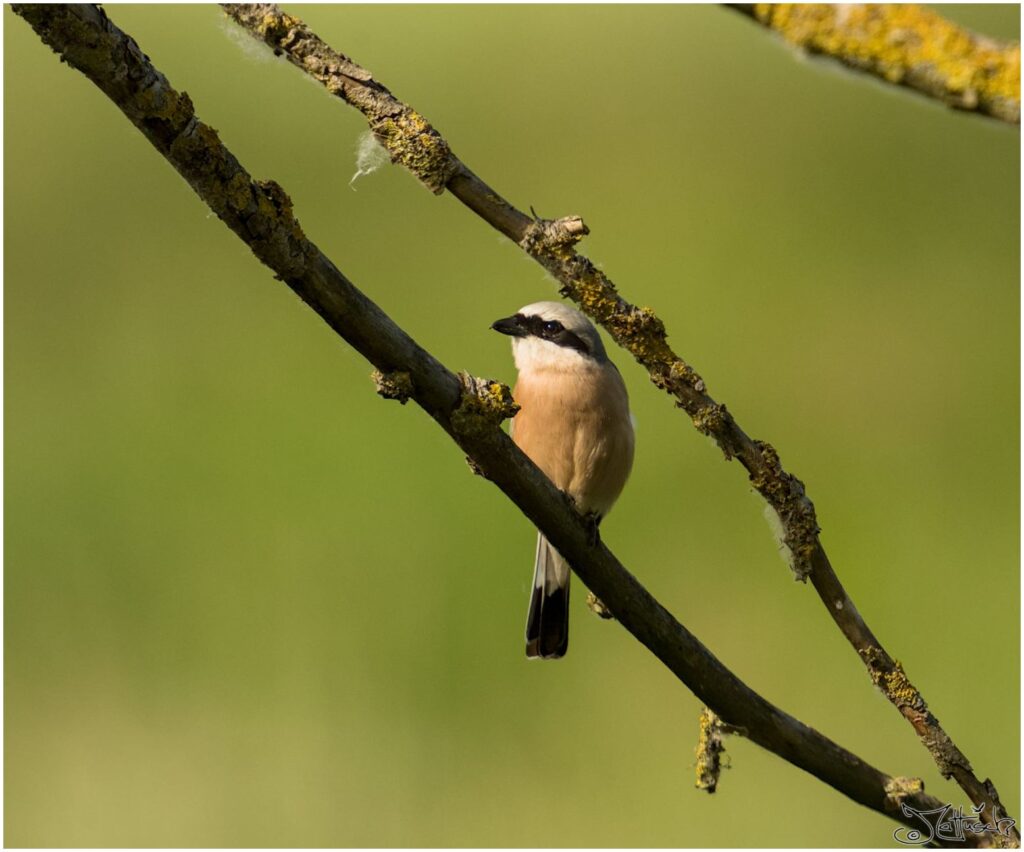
(552, 327)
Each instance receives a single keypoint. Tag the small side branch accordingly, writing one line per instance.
(906, 45)
(710, 748)
(415, 144)
(469, 410)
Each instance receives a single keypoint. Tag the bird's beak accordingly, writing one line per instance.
(510, 326)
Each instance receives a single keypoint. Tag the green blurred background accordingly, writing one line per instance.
(250, 603)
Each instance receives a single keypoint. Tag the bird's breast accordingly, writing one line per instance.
(575, 426)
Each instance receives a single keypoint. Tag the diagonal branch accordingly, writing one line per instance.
(469, 410)
(906, 45)
(416, 145)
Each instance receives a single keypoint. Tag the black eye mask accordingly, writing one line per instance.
(533, 326)
(552, 330)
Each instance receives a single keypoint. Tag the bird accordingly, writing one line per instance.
(574, 424)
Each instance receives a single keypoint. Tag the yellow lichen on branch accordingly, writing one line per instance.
(484, 403)
(395, 385)
(412, 143)
(898, 789)
(907, 45)
(888, 676)
(710, 749)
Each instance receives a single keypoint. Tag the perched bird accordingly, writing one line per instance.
(574, 423)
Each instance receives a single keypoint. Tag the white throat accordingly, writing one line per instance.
(533, 353)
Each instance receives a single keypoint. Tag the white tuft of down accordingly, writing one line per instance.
(779, 531)
(370, 156)
(241, 38)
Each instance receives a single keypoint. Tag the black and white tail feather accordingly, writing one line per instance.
(547, 624)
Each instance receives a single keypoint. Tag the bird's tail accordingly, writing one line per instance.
(547, 625)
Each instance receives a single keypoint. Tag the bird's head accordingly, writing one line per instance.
(550, 335)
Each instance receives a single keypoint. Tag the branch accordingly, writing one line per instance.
(709, 751)
(415, 144)
(469, 410)
(906, 45)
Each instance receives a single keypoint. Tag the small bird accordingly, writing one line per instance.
(574, 424)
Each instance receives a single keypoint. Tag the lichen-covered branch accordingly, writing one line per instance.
(415, 144)
(710, 749)
(906, 45)
(468, 409)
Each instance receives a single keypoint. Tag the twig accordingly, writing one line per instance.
(469, 410)
(906, 45)
(710, 749)
(415, 144)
